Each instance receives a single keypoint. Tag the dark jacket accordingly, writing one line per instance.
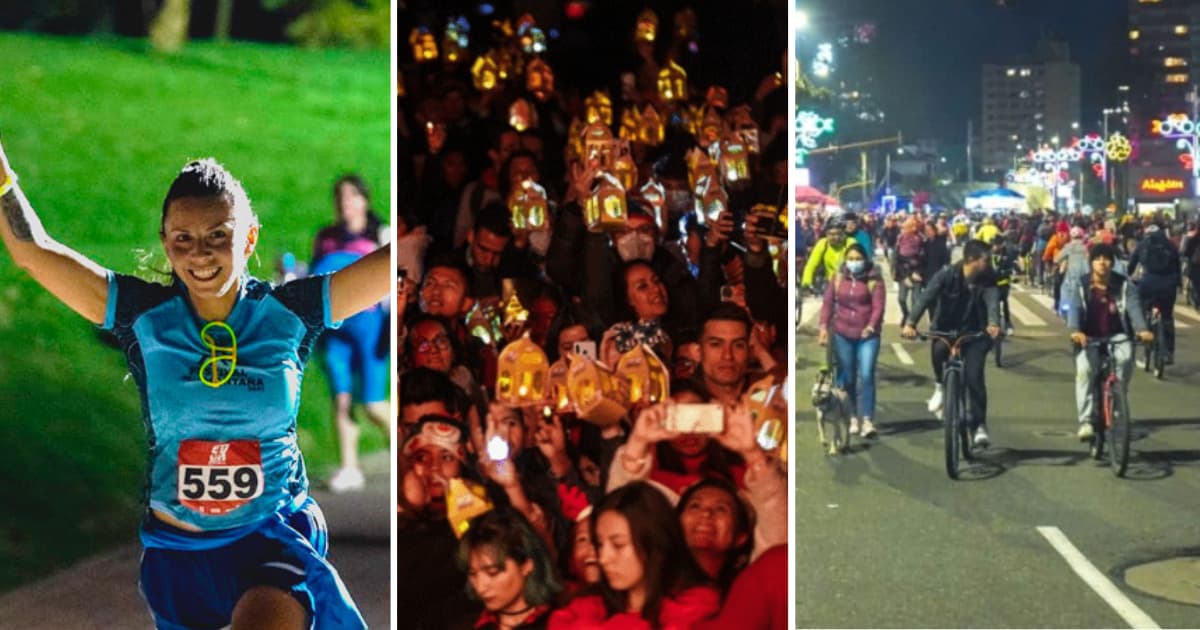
(1133, 320)
(958, 305)
(1152, 283)
(937, 255)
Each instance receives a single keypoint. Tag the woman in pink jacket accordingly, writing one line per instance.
(853, 312)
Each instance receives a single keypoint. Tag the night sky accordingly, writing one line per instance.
(929, 53)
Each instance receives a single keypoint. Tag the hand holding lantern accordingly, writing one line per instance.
(521, 373)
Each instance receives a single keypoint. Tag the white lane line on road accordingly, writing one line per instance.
(1098, 582)
(901, 353)
(891, 311)
(810, 310)
(1044, 300)
(1022, 314)
(1185, 312)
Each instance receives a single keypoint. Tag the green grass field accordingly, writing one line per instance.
(97, 129)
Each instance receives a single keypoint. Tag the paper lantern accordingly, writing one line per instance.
(625, 170)
(650, 128)
(594, 391)
(456, 39)
(710, 128)
(424, 46)
(647, 26)
(672, 83)
(522, 372)
(768, 411)
(485, 73)
(606, 209)
(649, 379)
(654, 196)
(560, 397)
(528, 206)
(539, 79)
(522, 115)
(483, 323)
(630, 124)
(599, 108)
(598, 145)
(711, 199)
(575, 140)
(465, 501)
(514, 312)
(734, 163)
(699, 167)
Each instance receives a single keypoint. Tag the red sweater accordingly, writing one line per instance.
(681, 612)
(859, 303)
(758, 599)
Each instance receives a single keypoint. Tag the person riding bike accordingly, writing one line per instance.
(966, 302)
(988, 231)
(1161, 276)
(1004, 264)
(826, 254)
(1102, 304)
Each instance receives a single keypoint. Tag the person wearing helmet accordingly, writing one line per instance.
(988, 231)
(826, 254)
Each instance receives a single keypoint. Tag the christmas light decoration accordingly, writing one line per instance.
(809, 127)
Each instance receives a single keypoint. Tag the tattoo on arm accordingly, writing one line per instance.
(14, 212)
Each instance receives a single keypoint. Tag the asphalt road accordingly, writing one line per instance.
(101, 592)
(885, 539)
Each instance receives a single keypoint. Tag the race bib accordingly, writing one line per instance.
(217, 478)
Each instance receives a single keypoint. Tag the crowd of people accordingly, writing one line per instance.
(1106, 274)
(593, 504)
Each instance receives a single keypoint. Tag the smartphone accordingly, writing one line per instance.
(727, 293)
(585, 349)
(695, 418)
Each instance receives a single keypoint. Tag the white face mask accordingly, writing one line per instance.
(635, 247)
(539, 242)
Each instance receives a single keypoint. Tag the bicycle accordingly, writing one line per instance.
(1156, 351)
(957, 436)
(998, 343)
(1110, 408)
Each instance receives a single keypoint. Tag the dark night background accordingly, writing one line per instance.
(928, 54)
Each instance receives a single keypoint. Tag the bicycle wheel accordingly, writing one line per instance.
(1148, 349)
(998, 345)
(1116, 409)
(1160, 348)
(952, 420)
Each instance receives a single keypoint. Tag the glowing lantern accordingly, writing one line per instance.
(485, 73)
(606, 209)
(514, 311)
(699, 167)
(598, 145)
(710, 128)
(649, 380)
(539, 79)
(768, 410)
(465, 501)
(734, 163)
(654, 195)
(712, 199)
(522, 372)
(651, 130)
(522, 115)
(594, 391)
(456, 39)
(672, 83)
(483, 323)
(717, 97)
(693, 117)
(424, 46)
(528, 206)
(599, 108)
(629, 125)
(624, 168)
(647, 26)
(560, 397)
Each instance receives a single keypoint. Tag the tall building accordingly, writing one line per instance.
(1027, 103)
(1164, 52)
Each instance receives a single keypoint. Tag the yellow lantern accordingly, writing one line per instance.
(514, 311)
(693, 116)
(768, 411)
(672, 83)
(606, 209)
(560, 397)
(598, 145)
(651, 130)
(485, 73)
(734, 163)
(649, 380)
(465, 501)
(528, 206)
(522, 115)
(710, 128)
(594, 391)
(522, 372)
(424, 46)
(647, 26)
(539, 79)
(699, 167)
(624, 168)
(629, 125)
(654, 195)
(599, 108)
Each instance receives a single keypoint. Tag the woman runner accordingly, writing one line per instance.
(230, 536)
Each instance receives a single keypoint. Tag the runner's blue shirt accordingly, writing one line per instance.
(223, 456)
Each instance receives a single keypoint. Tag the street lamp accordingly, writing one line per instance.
(801, 20)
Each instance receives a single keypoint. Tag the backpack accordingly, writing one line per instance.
(1156, 256)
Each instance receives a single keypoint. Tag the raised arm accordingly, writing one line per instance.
(361, 284)
(68, 275)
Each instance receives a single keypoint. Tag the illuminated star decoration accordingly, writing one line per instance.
(809, 127)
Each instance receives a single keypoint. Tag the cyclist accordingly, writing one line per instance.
(1102, 304)
(1004, 264)
(1160, 279)
(966, 302)
(826, 254)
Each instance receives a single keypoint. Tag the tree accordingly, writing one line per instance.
(224, 18)
(169, 28)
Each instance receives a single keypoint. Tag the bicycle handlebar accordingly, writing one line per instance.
(925, 335)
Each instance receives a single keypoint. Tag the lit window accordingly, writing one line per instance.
(1174, 62)
(1025, 72)
(1149, 1)
(1134, 34)
(1176, 78)
(1181, 29)
(1012, 72)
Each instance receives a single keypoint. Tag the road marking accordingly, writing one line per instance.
(901, 353)
(811, 308)
(1022, 314)
(1186, 314)
(1044, 300)
(891, 311)
(1098, 582)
